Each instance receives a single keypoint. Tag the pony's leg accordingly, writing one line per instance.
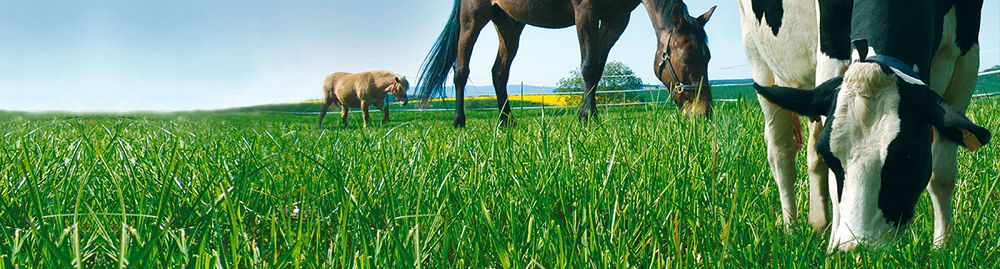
(596, 39)
(944, 151)
(471, 21)
(326, 106)
(385, 112)
(364, 113)
(343, 113)
(509, 33)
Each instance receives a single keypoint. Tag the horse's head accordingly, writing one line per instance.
(399, 89)
(682, 55)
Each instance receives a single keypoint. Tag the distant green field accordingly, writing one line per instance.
(986, 84)
(641, 188)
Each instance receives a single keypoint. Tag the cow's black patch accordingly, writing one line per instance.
(771, 10)
(907, 167)
(903, 29)
(823, 148)
(835, 28)
(968, 14)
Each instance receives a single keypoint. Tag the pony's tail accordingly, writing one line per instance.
(441, 59)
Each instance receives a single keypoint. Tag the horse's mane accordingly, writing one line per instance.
(667, 8)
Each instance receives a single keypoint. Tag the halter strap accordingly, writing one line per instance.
(665, 61)
(897, 66)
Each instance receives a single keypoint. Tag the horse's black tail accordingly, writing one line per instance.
(441, 59)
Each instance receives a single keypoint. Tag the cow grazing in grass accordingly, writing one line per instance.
(362, 90)
(915, 68)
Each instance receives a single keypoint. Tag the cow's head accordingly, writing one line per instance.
(876, 141)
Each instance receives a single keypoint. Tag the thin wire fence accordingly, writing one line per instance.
(655, 92)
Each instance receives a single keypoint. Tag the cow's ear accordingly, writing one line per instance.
(708, 15)
(815, 102)
(952, 123)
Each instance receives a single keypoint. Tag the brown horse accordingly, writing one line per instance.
(681, 62)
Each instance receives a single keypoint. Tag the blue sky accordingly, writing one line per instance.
(181, 55)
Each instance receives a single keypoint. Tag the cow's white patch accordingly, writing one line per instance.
(946, 55)
(866, 121)
(788, 59)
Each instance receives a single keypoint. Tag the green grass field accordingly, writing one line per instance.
(643, 188)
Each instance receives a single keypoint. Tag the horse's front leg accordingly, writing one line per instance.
(596, 39)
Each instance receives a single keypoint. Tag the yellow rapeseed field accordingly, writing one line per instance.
(546, 99)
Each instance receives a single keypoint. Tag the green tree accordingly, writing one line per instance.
(617, 76)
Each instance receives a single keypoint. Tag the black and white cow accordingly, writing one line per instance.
(876, 137)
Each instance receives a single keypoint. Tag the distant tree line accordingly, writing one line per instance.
(617, 76)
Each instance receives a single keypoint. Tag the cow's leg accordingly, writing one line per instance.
(819, 192)
(944, 151)
(948, 80)
(780, 135)
(343, 114)
(820, 186)
(832, 59)
(385, 112)
(780, 127)
(472, 19)
(509, 32)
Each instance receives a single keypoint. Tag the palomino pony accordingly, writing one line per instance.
(362, 90)
(681, 62)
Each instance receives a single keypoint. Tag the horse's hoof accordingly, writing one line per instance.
(505, 120)
(586, 117)
(507, 123)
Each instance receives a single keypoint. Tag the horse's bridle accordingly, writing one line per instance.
(677, 86)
